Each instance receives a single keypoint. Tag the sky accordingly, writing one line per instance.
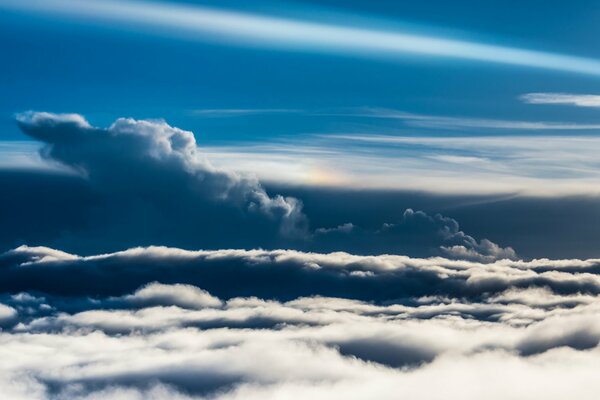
(367, 196)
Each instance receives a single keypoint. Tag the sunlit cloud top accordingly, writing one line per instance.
(198, 22)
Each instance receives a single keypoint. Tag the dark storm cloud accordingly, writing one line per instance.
(140, 183)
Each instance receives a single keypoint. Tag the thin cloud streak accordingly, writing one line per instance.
(568, 99)
(241, 112)
(197, 22)
(436, 121)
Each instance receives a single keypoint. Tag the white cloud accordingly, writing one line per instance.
(7, 314)
(136, 163)
(578, 100)
(529, 320)
(462, 123)
(185, 296)
(320, 347)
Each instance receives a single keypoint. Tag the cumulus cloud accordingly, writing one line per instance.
(153, 176)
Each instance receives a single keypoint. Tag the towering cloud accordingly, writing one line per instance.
(150, 179)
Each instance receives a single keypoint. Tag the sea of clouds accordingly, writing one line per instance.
(154, 323)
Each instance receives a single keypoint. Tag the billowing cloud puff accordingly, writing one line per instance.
(433, 328)
(7, 314)
(184, 296)
(149, 179)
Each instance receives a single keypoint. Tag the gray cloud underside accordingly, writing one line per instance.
(235, 324)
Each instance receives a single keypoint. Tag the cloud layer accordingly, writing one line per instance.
(454, 323)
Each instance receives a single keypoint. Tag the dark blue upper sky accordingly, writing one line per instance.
(107, 68)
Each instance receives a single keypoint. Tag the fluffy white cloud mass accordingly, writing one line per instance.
(157, 323)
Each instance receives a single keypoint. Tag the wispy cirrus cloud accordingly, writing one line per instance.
(241, 112)
(527, 164)
(446, 122)
(568, 99)
(213, 24)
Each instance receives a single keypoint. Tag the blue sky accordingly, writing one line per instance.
(107, 68)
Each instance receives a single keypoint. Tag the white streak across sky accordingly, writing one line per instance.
(577, 100)
(204, 23)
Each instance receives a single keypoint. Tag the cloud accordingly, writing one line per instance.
(185, 347)
(283, 275)
(578, 100)
(415, 233)
(154, 177)
(484, 250)
(184, 296)
(7, 314)
(462, 123)
(220, 25)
